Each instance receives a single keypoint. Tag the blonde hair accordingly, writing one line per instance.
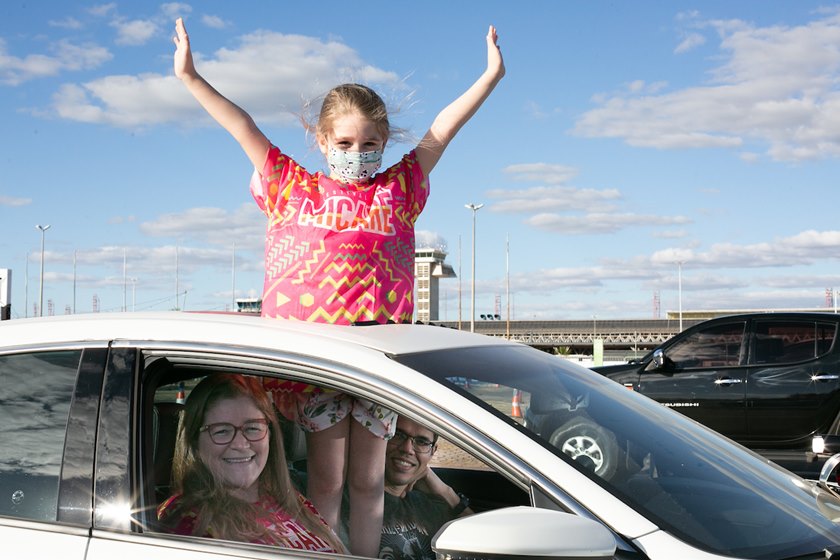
(353, 98)
(216, 510)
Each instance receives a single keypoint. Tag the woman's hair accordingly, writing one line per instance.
(202, 494)
(353, 98)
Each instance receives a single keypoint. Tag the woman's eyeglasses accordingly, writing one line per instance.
(419, 443)
(223, 433)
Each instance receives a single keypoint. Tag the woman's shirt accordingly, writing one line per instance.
(285, 530)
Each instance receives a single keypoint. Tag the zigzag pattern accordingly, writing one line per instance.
(403, 253)
(351, 256)
(336, 296)
(357, 271)
(283, 253)
(306, 267)
(351, 246)
(385, 264)
(321, 315)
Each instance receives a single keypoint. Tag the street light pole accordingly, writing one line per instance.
(475, 208)
(43, 230)
(679, 290)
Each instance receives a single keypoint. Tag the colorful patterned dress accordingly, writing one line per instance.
(339, 253)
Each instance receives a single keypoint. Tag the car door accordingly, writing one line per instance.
(703, 376)
(48, 406)
(793, 384)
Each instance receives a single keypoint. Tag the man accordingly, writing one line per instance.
(417, 501)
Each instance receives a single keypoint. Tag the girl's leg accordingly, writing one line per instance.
(326, 453)
(366, 484)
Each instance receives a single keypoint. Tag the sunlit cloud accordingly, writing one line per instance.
(64, 56)
(269, 73)
(773, 91)
(134, 32)
(14, 201)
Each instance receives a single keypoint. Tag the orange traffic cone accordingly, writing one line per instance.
(181, 397)
(516, 411)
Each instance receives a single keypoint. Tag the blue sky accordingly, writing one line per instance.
(626, 137)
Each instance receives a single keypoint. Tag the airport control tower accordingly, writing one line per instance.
(429, 267)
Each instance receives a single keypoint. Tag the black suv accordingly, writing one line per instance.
(770, 381)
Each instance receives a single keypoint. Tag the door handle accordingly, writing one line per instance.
(825, 377)
(727, 381)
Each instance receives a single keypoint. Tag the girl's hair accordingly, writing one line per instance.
(216, 510)
(353, 98)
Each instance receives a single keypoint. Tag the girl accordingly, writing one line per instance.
(340, 249)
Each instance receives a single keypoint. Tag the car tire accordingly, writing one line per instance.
(589, 444)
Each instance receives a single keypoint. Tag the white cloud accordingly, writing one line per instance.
(173, 10)
(426, 239)
(102, 10)
(245, 225)
(804, 248)
(775, 89)
(599, 223)
(66, 23)
(541, 199)
(547, 173)
(268, 74)
(690, 42)
(214, 22)
(134, 32)
(66, 56)
(14, 201)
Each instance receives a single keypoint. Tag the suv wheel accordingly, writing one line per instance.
(588, 444)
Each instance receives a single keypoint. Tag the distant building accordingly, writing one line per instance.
(429, 267)
(249, 305)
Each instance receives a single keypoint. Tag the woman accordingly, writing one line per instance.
(230, 475)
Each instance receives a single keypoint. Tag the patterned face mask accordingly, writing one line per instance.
(354, 166)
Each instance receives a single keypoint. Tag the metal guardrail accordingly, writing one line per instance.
(615, 333)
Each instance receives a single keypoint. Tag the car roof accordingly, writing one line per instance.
(234, 329)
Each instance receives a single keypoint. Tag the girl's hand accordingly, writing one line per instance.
(183, 60)
(495, 63)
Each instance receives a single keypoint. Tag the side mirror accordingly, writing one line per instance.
(522, 533)
(660, 362)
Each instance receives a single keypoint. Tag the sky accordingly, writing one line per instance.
(637, 158)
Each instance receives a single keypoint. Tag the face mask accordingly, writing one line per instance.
(354, 166)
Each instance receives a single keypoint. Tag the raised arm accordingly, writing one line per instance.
(236, 121)
(456, 114)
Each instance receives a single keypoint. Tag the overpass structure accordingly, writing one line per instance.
(618, 334)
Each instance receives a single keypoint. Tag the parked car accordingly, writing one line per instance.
(770, 381)
(89, 406)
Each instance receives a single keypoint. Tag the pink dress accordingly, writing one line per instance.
(339, 253)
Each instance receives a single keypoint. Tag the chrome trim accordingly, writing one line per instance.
(53, 346)
(825, 377)
(728, 381)
(50, 526)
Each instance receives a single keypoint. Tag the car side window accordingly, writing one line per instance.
(36, 393)
(779, 342)
(455, 468)
(715, 346)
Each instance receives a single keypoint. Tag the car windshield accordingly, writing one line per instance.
(699, 486)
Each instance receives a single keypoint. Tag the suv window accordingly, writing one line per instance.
(36, 392)
(716, 346)
(776, 342)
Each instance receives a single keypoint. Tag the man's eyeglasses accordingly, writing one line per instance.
(419, 443)
(223, 433)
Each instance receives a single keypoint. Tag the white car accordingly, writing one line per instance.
(88, 402)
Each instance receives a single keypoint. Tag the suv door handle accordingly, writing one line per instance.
(727, 381)
(825, 377)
